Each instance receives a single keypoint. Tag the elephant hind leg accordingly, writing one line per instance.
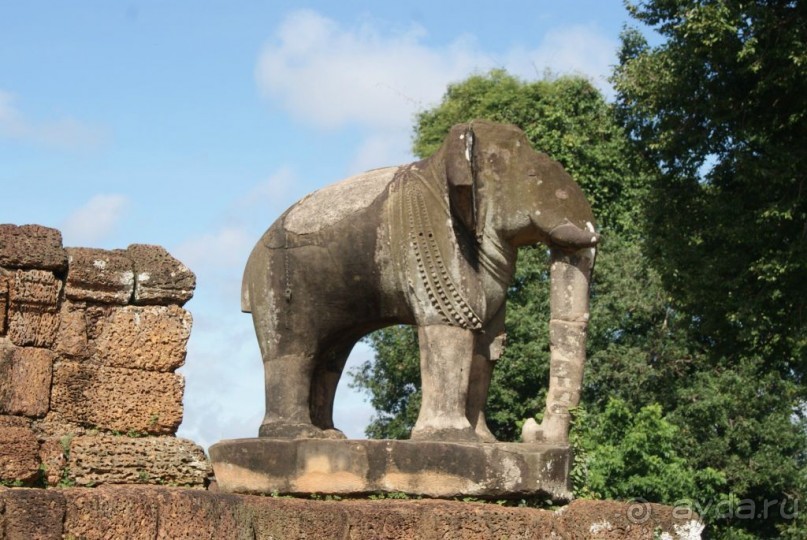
(324, 382)
(481, 373)
(287, 391)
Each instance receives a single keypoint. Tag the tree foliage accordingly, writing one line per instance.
(621, 453)
(393, 382)
(720, 106)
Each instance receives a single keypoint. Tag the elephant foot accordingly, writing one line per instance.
(466, 434)
(554, 429)
(484, 433)
(285, 430)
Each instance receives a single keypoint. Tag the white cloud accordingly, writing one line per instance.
(378, 78)
(229, 244)
(63, 133)
(330, 76)
(225, 248)
(579, 49)
(223, 378)
(269, 197)
(217, 258)
(218, 254)
(381, 149)
(223, 392)
(94, 221)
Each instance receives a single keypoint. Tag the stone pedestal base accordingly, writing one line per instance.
(356, 467)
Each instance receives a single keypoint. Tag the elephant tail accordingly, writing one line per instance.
(245, 307)
(257, 269)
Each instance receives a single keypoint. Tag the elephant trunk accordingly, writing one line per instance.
(569, 235)
(570, 275)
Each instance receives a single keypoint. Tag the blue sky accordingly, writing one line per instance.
(195, 124)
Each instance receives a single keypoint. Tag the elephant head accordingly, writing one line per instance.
(497, 182)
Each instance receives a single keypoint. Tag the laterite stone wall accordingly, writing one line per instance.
(90, 341)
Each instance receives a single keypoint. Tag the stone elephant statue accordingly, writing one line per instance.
(431, 244)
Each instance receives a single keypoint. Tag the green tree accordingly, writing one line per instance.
(621, 453)
(393, 382)
(720, 106)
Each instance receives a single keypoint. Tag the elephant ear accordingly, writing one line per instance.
(461, 177)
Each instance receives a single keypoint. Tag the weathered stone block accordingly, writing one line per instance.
(101, 514)
(144, 337)
(28, 326)
(134, 512)
(158, 512)
(300, 520)
(182, 511)
(19, 450)
(53, 426)
(431, 468)
(159, 277)
(33, 308)
(95, 316)
(117, 399)
(35, 287)
(25, 376)
(72, 340)
(32, 514)
(482, 521)
(366, 519)
(108, 459)
(99, 275)
(615, 519)
(31, 246)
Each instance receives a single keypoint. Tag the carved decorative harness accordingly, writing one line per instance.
(420, 253)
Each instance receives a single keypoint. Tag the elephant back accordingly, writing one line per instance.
(330, 205)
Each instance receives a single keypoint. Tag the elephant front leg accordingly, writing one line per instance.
(569, 302)
(446, 353)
